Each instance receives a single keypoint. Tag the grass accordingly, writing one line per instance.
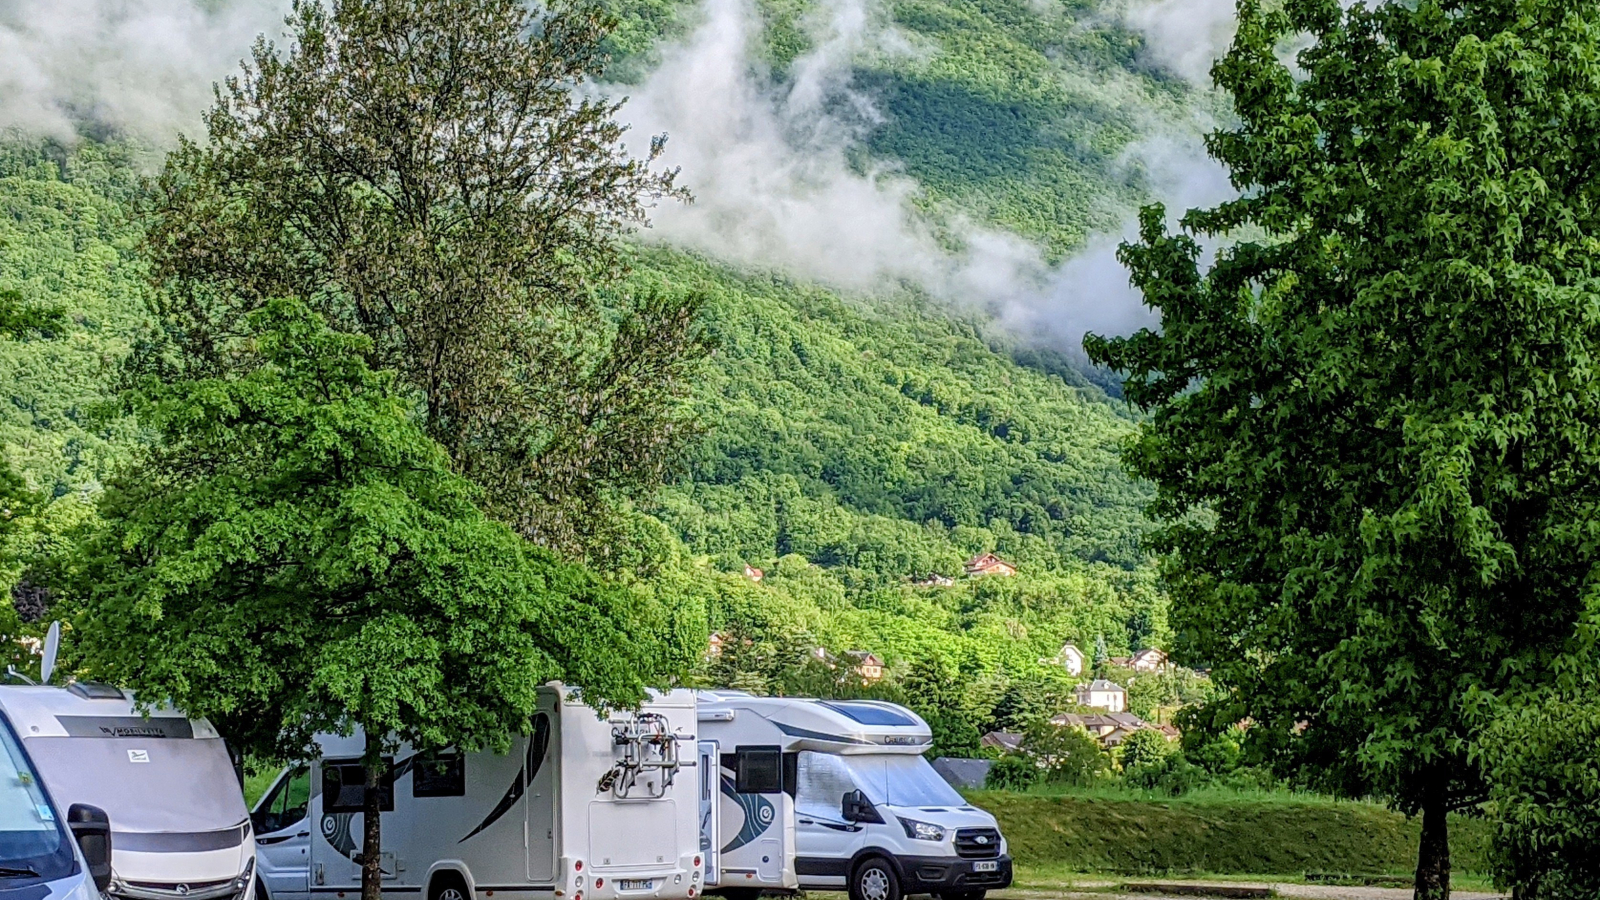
(1273, 836)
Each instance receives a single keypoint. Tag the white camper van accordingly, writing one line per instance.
(165, 781)
(824, 795)
(43, 854)
(583, 808)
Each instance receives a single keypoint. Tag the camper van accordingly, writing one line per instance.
(830, 795)
(43, 854)
(582, 808)
(166, 782)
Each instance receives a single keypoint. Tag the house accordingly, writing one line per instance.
(1149, 659)
(1004, 741)
(867, 665)
(1116, 737)
(988, 564)
(1100, 724)
(714, 644)
(1069, 658)
(934, 579)
(1103, 694)
(753, 573)
(1170, 732)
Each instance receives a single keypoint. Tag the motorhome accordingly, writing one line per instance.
(43, 854)
(583, 808)
(165, 781)
(830, 795)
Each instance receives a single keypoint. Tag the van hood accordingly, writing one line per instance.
(171, 868)
(946, 816)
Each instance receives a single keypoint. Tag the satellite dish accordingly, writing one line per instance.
(52, 644)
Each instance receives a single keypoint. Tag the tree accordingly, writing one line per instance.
(1102, 658)
(425, 173)
(1066, 754)
(296, 556)
(1373, 418)
(19, 318)
(1545, 777)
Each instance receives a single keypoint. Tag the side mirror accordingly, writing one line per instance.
(857, 808)
(91, 827)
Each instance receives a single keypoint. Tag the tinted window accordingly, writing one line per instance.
(872, 714)
(759, 770)
(344, 786)
(33, 841)
(441, 774)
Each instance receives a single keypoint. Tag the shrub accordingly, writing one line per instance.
(1013, 772)
(1143, 748)
(1068, 755)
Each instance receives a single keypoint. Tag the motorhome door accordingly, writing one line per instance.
(710, 801)
(282, 825)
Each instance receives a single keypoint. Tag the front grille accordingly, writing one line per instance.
(978, 843)
(197, 890)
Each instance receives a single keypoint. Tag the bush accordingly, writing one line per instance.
(1144, 748)
(1013, 772)
(1544, 772)
(1172, 774)
(1068, 755)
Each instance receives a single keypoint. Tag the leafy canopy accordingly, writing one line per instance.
(1373, 428)
(296, 556)
(425, 173)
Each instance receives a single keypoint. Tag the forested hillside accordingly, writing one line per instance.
(853, 445)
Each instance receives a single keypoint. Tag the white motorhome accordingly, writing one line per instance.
(824, 795)
(179, 826)
(583, 808)
(43, 854)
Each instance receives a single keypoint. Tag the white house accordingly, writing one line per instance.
(1148, 660)
(1103, 694)
(1070, 658)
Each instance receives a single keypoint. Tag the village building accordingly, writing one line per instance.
(934, 579)
(988, 564)
(1103, 694)
(867, 665)
(753, 573)
(1004, 741)
(714, 645)
(1069, 658)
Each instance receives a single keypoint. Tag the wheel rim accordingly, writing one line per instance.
(452, 893)
(875, 884)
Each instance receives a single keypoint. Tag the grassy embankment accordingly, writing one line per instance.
(1277, 834)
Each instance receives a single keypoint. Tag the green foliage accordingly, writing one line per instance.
(482, 268)
(295, 555)
(1152, 694)
(1543, 762)
(1013, 772)
(1067, 755)
(1212, 833)
(1144, 748)
(1375, 429)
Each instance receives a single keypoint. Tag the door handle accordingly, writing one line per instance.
(280, 838)
(807, 822)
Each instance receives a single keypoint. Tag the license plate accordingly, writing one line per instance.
(635, 884)
(989, 866)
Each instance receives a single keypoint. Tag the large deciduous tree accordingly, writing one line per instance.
(1373, 418)
(297, 556)
(428, 173)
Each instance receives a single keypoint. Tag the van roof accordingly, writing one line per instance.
(836, 726)
(53, 711)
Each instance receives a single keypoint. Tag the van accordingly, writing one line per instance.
(583, 808)
(829, 795)
(153, 802)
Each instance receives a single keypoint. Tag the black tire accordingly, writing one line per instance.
(874, 879)
(738, 893)
(448, 886)
(261, 889)
(962, 895)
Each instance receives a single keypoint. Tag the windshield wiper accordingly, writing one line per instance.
(17, 872)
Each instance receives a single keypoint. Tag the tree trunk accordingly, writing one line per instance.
(1433, 854)
(371, 823)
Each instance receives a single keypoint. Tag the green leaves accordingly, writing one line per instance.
(1374, 428)
(297, 556)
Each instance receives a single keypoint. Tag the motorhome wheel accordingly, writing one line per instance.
(875, 880)
(447, 886)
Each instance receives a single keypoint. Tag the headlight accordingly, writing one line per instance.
(243, 881)
(922, 831)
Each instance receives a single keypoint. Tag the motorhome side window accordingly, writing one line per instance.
(823, 780)
(442, 774)
(287, 803)
(758, 770)
(344, 786)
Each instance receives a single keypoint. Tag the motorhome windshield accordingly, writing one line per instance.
(183, 787)
(901, 780)
(34, 845)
